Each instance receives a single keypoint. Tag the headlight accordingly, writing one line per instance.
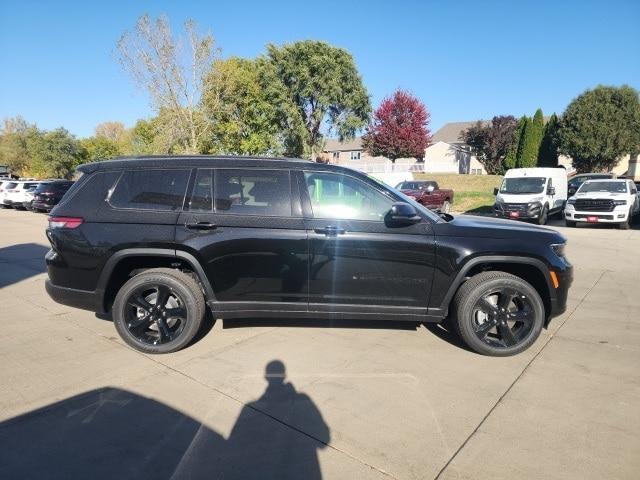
(558, 248)
(571, 201)
(619, 202)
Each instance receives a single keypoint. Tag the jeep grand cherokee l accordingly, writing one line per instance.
(156, 240)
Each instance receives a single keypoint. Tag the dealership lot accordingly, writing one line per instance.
(374, 400)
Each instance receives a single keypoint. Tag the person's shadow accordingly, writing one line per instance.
(112, 433)
(276, 436)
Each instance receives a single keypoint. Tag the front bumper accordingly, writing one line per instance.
(558, 297)
(516, 211)
(619, 214)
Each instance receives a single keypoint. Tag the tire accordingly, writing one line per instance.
(446, 207)
(484, 326)
(149, 328)
(570, 223)
(625, 225)
(544, 216)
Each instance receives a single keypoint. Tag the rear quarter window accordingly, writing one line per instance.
(150, 189)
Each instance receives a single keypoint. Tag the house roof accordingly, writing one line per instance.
(450, 132)
(335, 145)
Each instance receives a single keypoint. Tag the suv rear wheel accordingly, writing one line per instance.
(498, 314)
(159, 310)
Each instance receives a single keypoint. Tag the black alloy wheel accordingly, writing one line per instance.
(159, 310)
(503, 318)
(155, 314)
(497, 313)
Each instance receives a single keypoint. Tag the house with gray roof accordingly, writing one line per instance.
(446, 154)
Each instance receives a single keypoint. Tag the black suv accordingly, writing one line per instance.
(156, 240)
(48, 194)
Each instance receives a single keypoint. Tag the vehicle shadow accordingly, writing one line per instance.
(21, 261)
(114, 433)
(208, 323)
(445, 333)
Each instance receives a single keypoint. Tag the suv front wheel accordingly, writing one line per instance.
(159, 310)
(498, 314)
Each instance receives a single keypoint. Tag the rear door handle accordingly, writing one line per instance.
(201, 226)
(330, 231)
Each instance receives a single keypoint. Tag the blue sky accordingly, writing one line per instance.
(465, 60)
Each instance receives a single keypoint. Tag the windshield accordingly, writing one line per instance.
(612, 187)
(522, 185)
(415, 185)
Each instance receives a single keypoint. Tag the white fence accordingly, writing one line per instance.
(385, 167)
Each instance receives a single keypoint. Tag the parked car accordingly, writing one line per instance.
(155, 241)
(48, 194)
(16, 195)
(4, 186)
(27, 199)
(531, 193)
(575, 182)
(604, 201)
(428, 193)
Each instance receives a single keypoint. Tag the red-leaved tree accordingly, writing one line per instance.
(399, 128)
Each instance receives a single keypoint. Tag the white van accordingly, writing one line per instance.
(531, 193)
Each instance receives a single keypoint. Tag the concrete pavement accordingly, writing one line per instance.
(383, 401)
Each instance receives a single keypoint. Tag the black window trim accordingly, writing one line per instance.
(137, 209)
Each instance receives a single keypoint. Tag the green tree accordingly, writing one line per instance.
(324, 85)
(100, 148)
(14, 146)
(600, 126)
(531, 140)
(511, 159)
(548, 153)
(54, 154)
(142, 137)
(242, 108)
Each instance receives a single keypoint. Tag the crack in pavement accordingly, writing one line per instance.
(524, 370)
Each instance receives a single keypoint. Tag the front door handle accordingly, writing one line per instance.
(201, 226)
(330, 231)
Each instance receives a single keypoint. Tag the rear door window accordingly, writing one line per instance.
(253, 192)
(202, 195)
(150, 189)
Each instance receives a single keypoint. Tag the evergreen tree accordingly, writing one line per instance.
(511, 160)
(533, 132)
(548, 154)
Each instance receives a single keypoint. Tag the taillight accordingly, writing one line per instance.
(64, 222)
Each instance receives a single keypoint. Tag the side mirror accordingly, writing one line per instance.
(572, 190)
(495, 190)
(401, 215)
(551, 191)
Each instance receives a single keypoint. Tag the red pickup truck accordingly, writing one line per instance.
(427, 193)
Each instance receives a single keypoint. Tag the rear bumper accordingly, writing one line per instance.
(83, 299)
(41, 205)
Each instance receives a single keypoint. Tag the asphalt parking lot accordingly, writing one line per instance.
(357, 401)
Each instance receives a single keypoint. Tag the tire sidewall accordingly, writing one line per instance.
(465, 314)
(190, 303)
